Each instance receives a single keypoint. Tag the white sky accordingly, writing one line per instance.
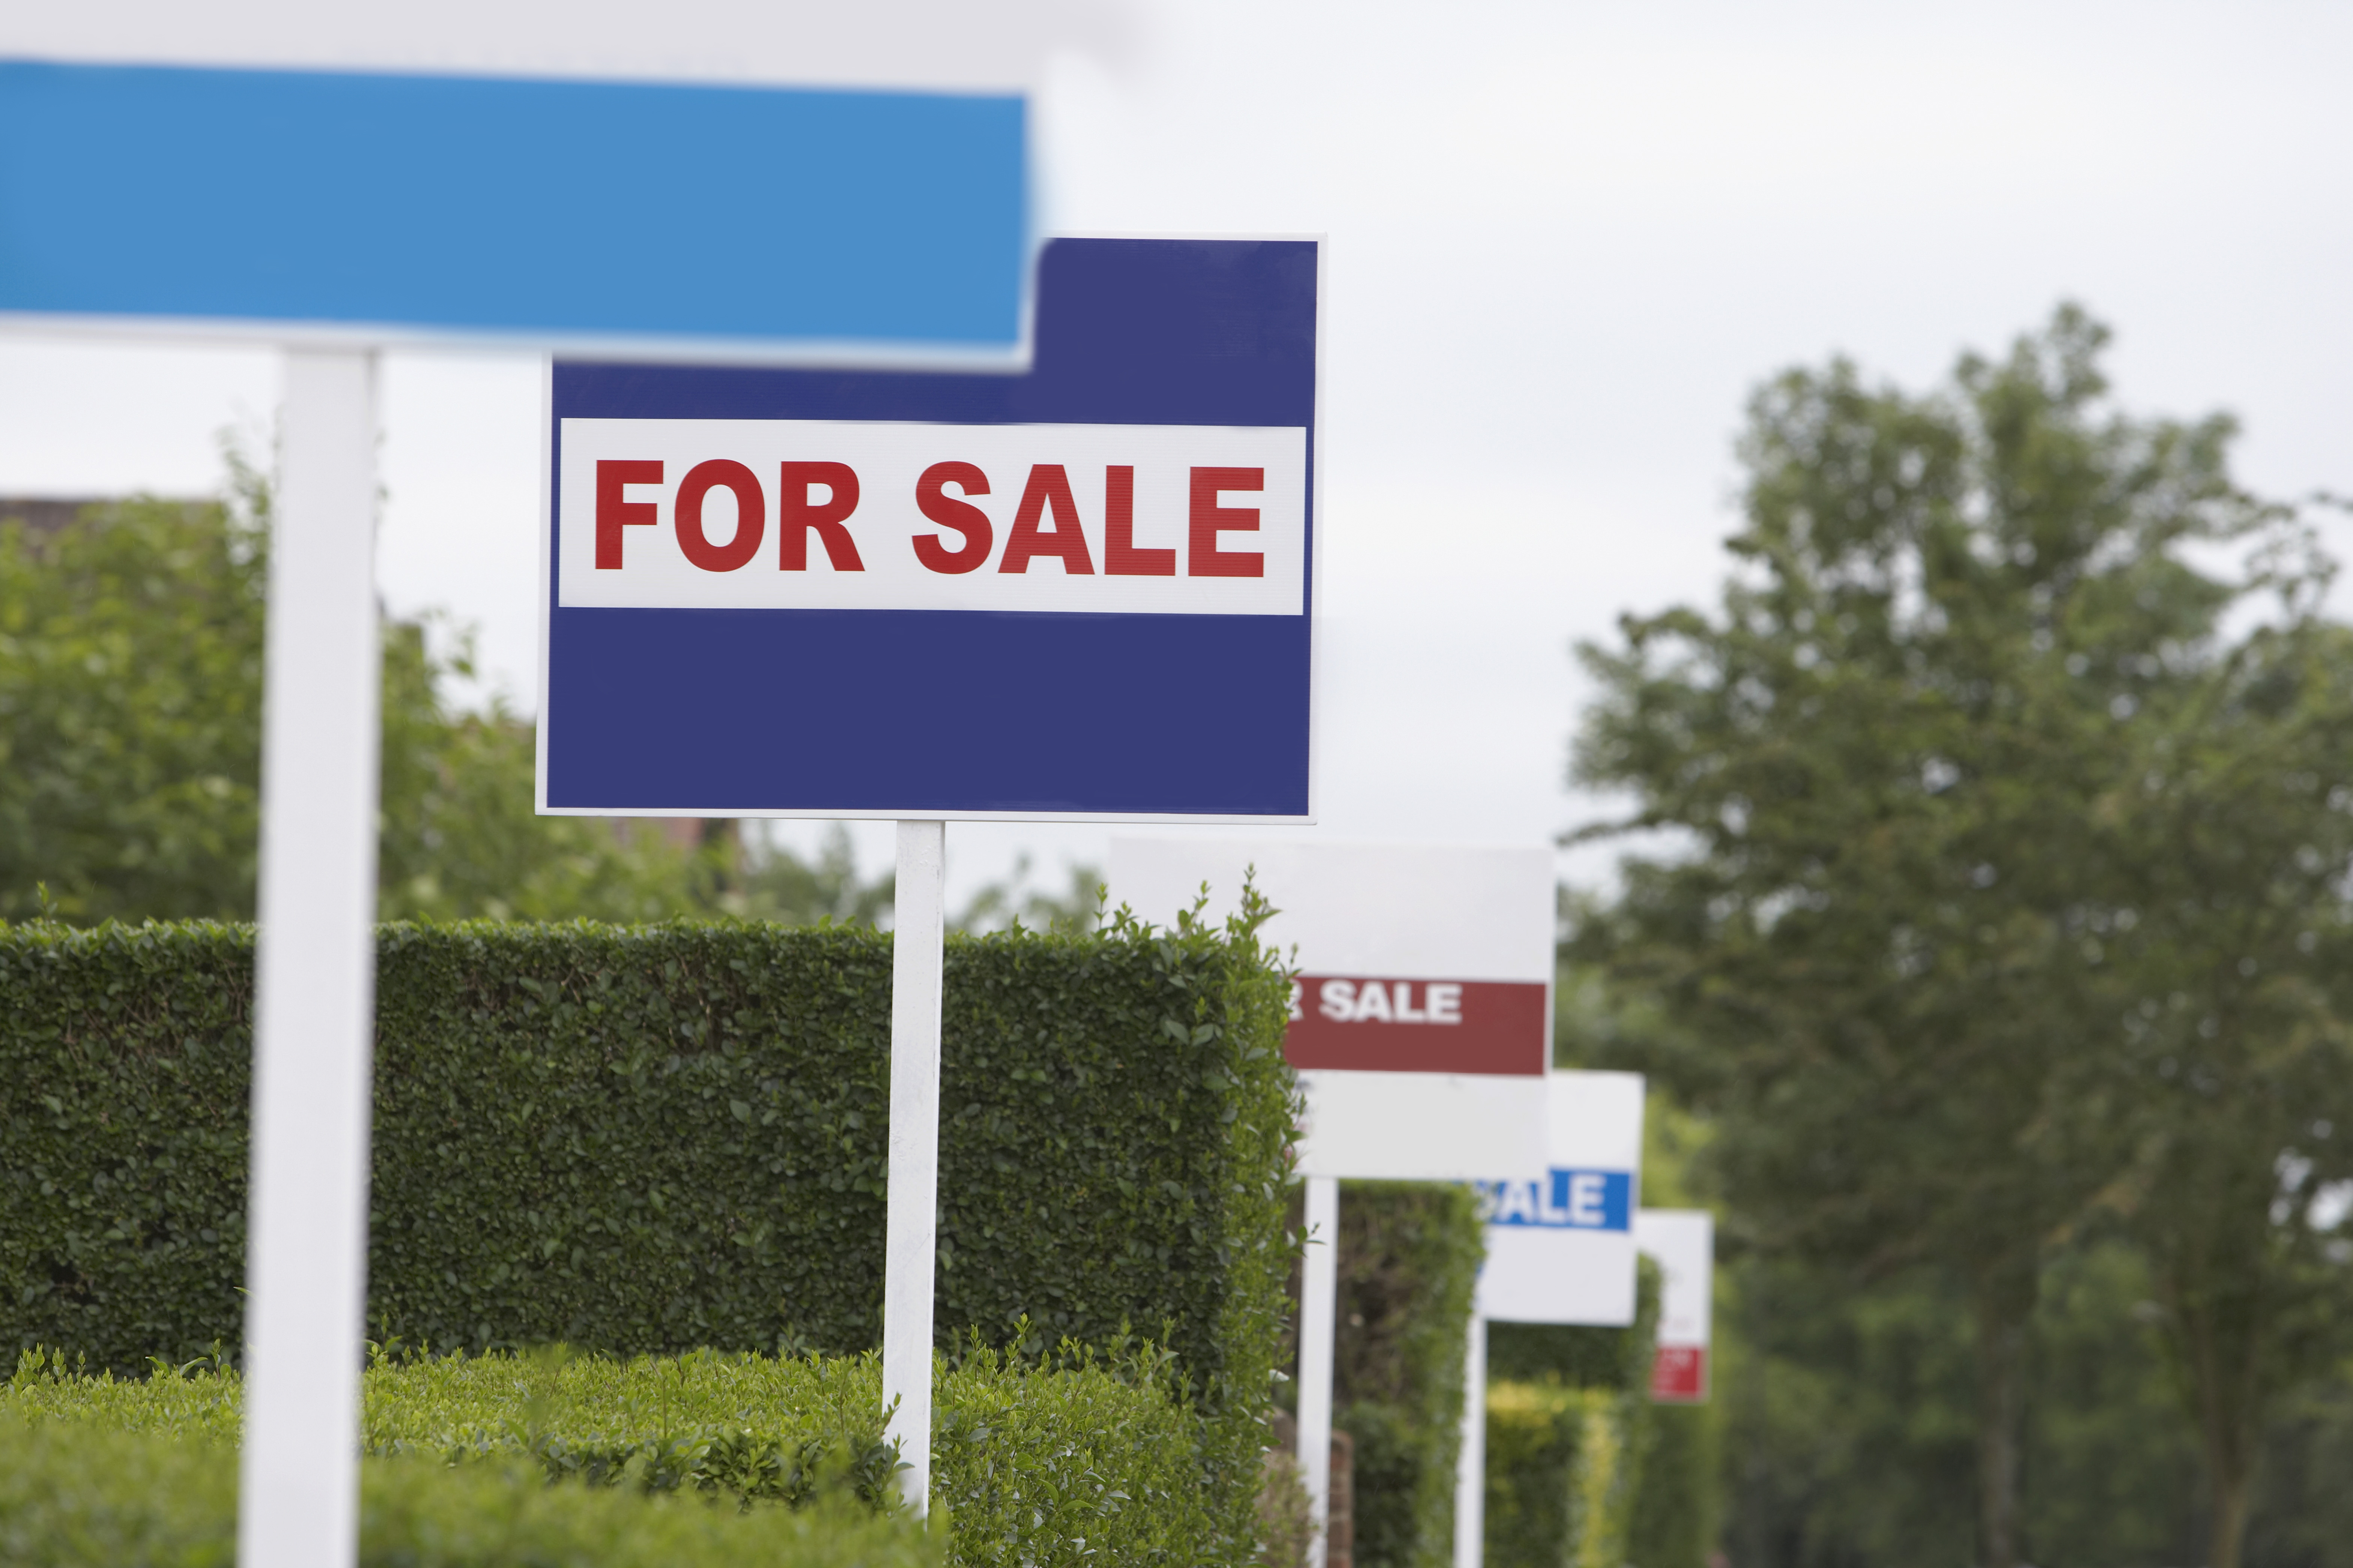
(1567, 240)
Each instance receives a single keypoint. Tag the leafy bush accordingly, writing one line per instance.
(1678, 1509)
(90, 1496)
(1533, 1433)
(651, 1139)
(1082, 1460)
(1286, 1519)
(131, 644)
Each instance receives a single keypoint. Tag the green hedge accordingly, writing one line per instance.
(1533, 1433)
(93, 1497)
(1081, 1461)
(647, 1140)
(1569, 1431)
(1678, 1512)
(1409, 1260)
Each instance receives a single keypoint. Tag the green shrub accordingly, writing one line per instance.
(1082, 1460)
(90, 1496)
(1532, 1431)
(1678, 1509)
(1569, 1424)
(1409, 1258)
(647, 1140)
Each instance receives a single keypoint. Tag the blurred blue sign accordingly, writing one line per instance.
(1562, 1200)
(596, 216)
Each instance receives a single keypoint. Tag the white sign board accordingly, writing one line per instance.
(1422, 1024)
(1684, 1243)
(1560, 1233)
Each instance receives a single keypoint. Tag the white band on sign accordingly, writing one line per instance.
(839, 515)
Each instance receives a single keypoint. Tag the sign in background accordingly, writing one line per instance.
(1083, 590)
(1421, 1026)
(1684, 1242)
(1560, 1236)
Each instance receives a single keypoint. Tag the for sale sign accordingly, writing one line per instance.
(1683, 1241)
(1422, 1024)
(1560, 1236)
(1083, 590)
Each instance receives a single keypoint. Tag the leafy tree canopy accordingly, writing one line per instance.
(1970, 683)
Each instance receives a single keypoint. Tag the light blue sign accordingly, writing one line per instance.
(577, 214)
(1561, 1200)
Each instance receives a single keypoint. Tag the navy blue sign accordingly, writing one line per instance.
(1087, 590)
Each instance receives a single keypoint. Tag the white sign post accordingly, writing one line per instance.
(315, 973)
(1470, 1467)
(1421, 1030)
(910, 1221)
(1560, 1250)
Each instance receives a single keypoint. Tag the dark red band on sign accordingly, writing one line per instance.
(1679, 1375)
(1420, 1025)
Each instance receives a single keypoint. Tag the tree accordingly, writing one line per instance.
(130, 713)
(2238, 1015)
(461, 835)
(1955, 621)
(130, 660)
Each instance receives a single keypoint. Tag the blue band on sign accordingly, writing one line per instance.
(1562, 1200)
(571, 211)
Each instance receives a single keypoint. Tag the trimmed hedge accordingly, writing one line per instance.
(1568, 1431)
(1679, 1510)
(649, 1139)
(1047, 1467)
(94, 1497)
(1409, 1260)
(1535, 1431)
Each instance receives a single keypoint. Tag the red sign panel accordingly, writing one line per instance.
(1420, 1025)
(1679, 1375)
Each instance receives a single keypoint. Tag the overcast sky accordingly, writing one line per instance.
(1566, 241)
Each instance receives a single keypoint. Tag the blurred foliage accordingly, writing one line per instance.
(1409, 1258)
(1844, 1401)
(1571, 1434)
(1408, 1262)
(131, 667)
(998, 905)
(130, 713)
(2001, 918)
